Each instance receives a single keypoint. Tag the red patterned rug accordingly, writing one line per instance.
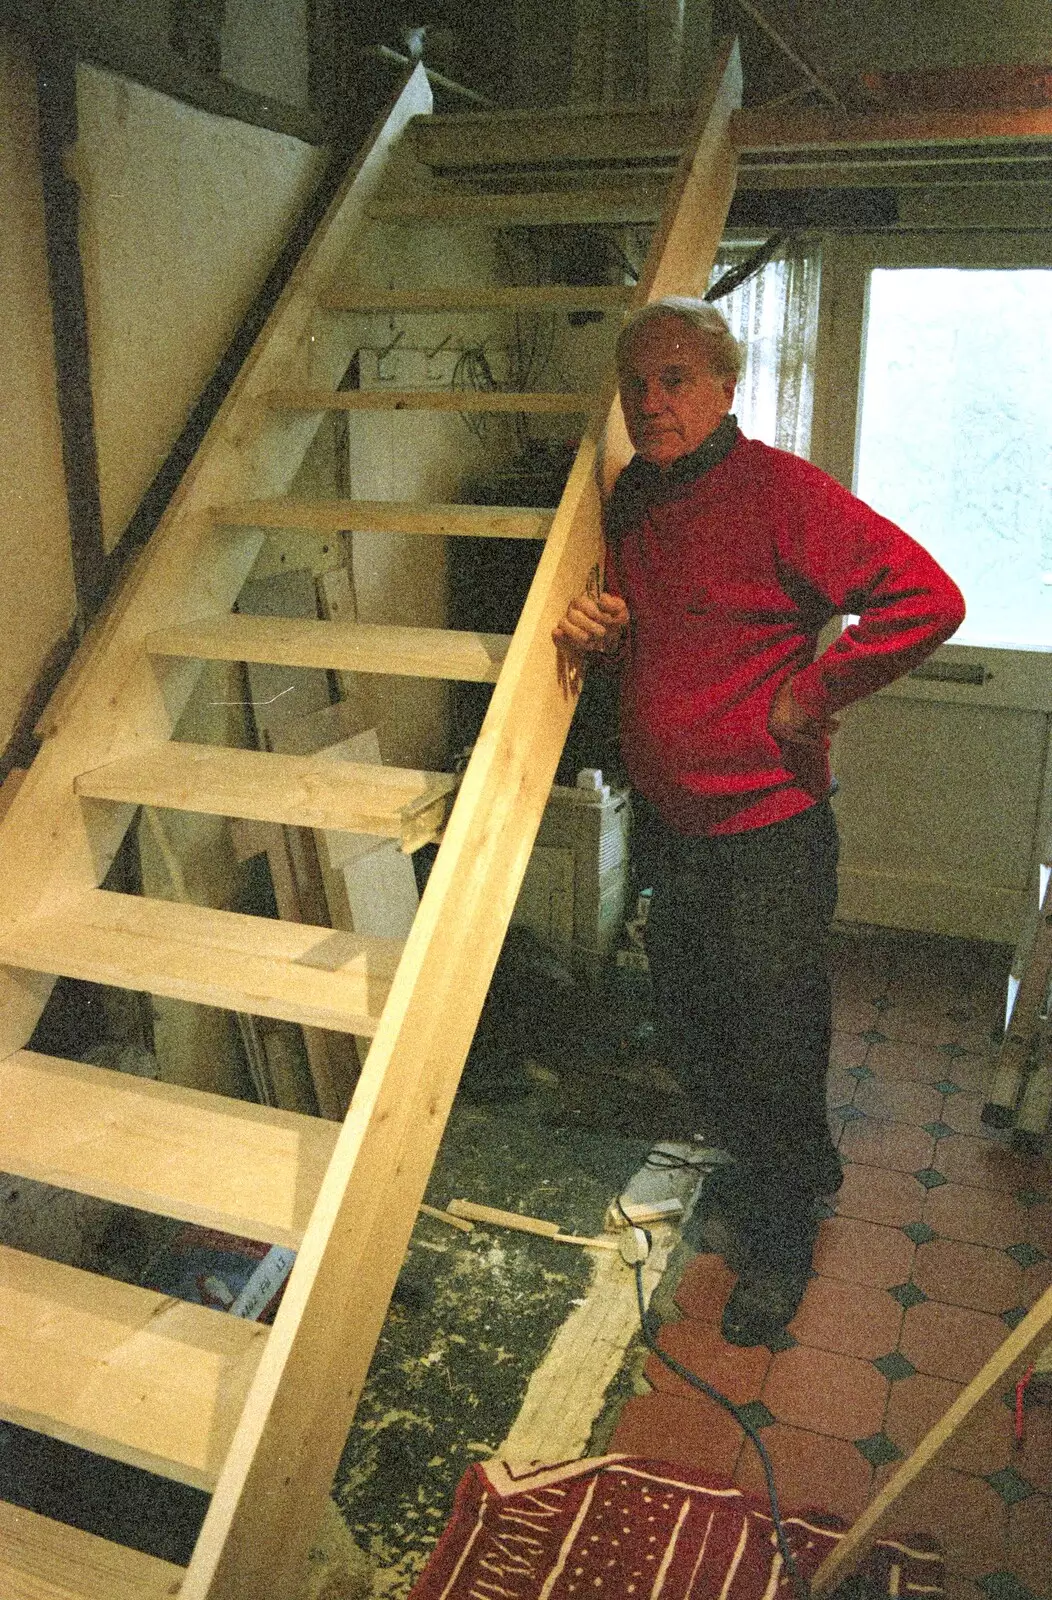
(619, 1527)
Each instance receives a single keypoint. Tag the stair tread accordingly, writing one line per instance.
(178, 1152)
(300, 791)
(129, 1373)
(338, 646)
(308, 399)
(389, 516)
(318, 977)
(527, 297)
(635, 202)
(41, 1559)
(562, 135)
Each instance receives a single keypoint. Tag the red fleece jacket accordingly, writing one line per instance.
(728, 579)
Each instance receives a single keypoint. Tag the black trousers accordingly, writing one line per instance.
(737, 938)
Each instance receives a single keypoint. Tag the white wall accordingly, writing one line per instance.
(183, 215)
(36, 596)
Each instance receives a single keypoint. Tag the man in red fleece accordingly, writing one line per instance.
(725, 559)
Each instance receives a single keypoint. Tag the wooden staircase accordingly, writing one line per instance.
(258, 1415)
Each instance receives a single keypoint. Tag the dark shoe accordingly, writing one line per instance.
(714, 1223)
(763, 1302)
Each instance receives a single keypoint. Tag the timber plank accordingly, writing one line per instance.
(228, 1164)
(635, 202)
(340, 647)
(527, 297)
(389, 516)
(428, 400)
(300, 791)
(756, 129)
(126, 1372)
(41, 1559)
(563, 136)
(290, 970)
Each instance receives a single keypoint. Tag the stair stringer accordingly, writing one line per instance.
(270, 1493)
(114, 701)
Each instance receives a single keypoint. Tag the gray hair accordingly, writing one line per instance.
(723, 350)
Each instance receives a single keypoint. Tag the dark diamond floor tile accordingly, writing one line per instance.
(756, 1414)
(938, 1130)
(907, 1294)
(1010, 1485)
(1031, 1197)
(1014, 1316)
(862, 1074)
(878, 1449)
(947, 1086)
(929, 1177)
(1027, 1255)
(919, 1232)
(895, 1366)
(874, 1036)
(951, 1050)
(847, 1113)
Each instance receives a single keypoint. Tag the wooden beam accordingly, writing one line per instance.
(548, 297)
(266, 967)
(294, 1426)
(390, 516)
(300, 791)
(426, 400)
(825, 130)
(45, 1560)
(227, 1164)
(339, 647)
(636, 202)
(125, 1372)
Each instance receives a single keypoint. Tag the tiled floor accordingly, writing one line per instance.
(940, 1240)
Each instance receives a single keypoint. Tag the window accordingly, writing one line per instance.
(955, 435)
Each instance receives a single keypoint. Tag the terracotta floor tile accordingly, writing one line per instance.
(878, 1194)
(887, 1144)
(898, 1100)
(915, 1024)
(963, 1113)
(704, 1285)
(811, 1472)
(1030, 1544)
(971, 1072)
(1039, 1228)
(863, 1252)
(1036, 1280)
(735, 1371)
(985, 1441)
(826, 1392)
(915, 1405)
(916, 1063)
(847, 1049)
(950, 1341)
(978, 1216)
(985, 1162)
(693, 1433)
(1033, 1458)
(968, 1275)
(840, 1087)
(853, 1318)
(966, 1518)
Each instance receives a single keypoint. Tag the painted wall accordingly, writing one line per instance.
(183, 215)
(896, 35)
(36, 596)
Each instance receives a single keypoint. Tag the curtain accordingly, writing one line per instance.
(774, 315)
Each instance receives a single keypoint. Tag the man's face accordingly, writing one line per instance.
(671, 401)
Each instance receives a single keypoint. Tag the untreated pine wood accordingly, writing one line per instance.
(548, 297)
(390, 516)
(268, 968)
(126, 1372)
(428, 400)
(45, 1560)
(300, 791)
(566, 136)
(1029, 1032)
(637, 202)
(294, 1427)
(245, 1169)
(339, 647)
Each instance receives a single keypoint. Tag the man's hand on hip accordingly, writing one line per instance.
(789, 723)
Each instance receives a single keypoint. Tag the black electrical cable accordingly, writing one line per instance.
(800, 1584)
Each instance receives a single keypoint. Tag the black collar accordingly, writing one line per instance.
(642, 484)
